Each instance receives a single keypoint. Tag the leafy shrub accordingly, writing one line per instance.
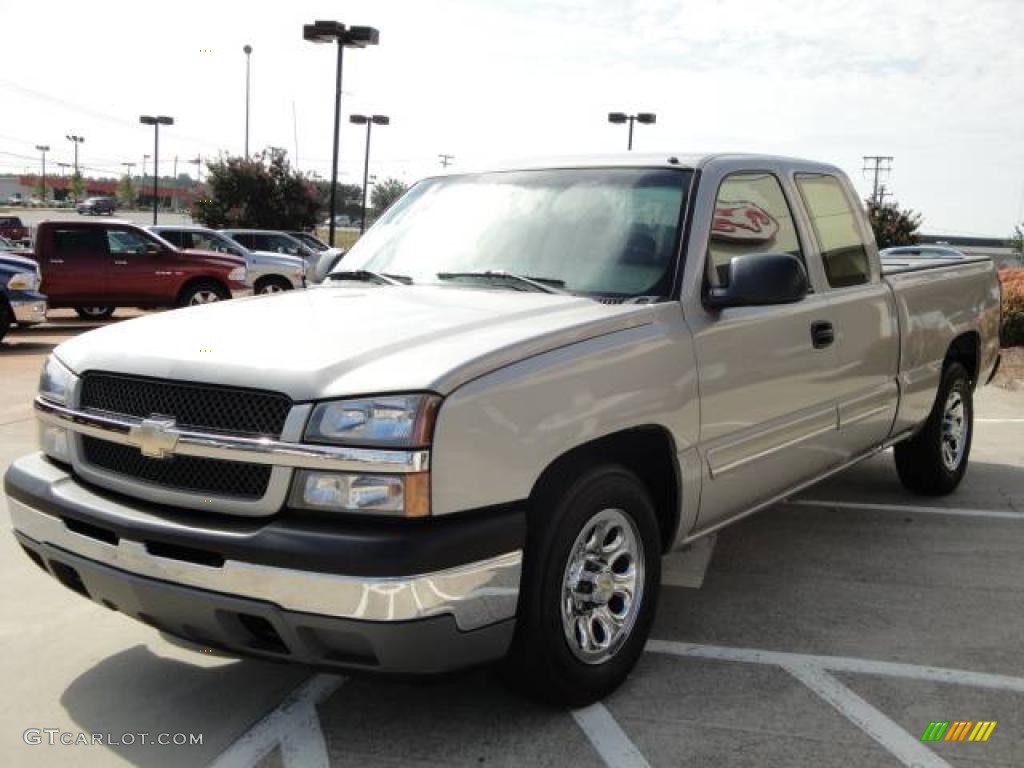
(1011, 332)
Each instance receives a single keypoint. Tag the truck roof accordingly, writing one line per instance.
(688, 160)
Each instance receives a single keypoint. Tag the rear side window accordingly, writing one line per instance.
(843, 252)
(751, 216)
(83, 240)
(245, 239)
(173, 237)
(10, 221)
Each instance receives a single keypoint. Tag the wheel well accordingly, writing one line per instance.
(271, 279)
(966, 350)
(649, 452)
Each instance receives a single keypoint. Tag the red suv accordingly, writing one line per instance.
(96, 267)
(13, 229)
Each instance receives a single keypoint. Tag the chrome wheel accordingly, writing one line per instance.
(94, 311)
(602, 586)
(954, 431)
(205, 296)
(270, 288)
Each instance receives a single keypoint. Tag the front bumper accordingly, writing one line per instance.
(325, 594)
(29, 311)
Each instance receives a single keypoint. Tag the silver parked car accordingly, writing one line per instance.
(268, 272)
(318, 263)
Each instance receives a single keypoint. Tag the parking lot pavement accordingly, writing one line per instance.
(32, 216)
(829, 631)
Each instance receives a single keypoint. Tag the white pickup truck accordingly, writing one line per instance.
(477, 441)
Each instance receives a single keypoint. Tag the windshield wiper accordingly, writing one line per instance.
(370, 276)
(543, 284)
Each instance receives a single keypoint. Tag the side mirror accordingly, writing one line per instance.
(757, 279)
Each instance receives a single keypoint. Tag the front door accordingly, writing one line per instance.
(139, 270)
(768, 416)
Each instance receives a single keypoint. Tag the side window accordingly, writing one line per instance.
(843, 252)
(123, 241)
(79, 240)
(244, 239)
(751, 216)
(174, 237)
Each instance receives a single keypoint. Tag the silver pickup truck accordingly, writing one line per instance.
(477, 441)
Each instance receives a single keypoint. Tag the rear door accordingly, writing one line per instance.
(863, 312)
(767, 410)
(75, 264)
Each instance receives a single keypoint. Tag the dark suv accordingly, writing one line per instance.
(97, 205)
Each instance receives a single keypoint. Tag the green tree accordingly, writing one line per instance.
(263, 191)
(126, 191)
(39, 189)
(385, 193)
(76, 186)
(893, 225)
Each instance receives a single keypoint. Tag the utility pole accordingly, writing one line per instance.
(174, 187)
(198, 161)
(76, 140)
(446, 160)
(877, 165)
(44, 148)
(882, 194)
(247, 50)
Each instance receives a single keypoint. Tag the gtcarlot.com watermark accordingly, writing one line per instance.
(55, 737)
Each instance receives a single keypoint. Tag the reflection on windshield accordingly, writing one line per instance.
(602, 231)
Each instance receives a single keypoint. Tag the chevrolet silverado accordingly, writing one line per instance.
(476, 441)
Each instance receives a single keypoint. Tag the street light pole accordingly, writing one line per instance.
(369, 120)
(644, 118)
(156, 121)
(344, 37)
(44, 148)
(76, 140)
(248, 51)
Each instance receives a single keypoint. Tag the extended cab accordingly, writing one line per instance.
(477, 441)
(96, 267)
(20, 299)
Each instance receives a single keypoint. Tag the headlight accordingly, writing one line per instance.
(55, 381)
(392, 421)
(397, 495)
(24, 281)
(238, 275)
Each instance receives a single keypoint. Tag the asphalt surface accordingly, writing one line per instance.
(32, 216)
(827, 632)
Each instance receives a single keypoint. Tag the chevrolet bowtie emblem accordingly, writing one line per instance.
(155, 436)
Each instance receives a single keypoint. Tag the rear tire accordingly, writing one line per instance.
(933, 462)
(202, 292)
(590, 585)
(96, 312)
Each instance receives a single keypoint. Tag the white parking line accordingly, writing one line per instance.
(294, 725)
(874, 723)
(610, 741)
(995, 514)
(839, 664)
(999, 421)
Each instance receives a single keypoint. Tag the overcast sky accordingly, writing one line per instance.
(938, 84)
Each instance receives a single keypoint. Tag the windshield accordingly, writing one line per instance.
(602, 231)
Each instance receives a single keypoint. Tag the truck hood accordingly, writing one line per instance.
(348, 340)
(198, 256)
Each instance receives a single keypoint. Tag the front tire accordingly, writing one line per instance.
(272, 285)
(203, 292)
(6, 318)
(98, 312)
(933, 462)
(590, 586)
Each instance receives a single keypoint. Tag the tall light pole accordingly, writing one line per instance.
(76, 140)
(644, 118)
(345, 37)
(369, 121)
(248, 51)
(44, 148)
(156, 121)
(144, 159)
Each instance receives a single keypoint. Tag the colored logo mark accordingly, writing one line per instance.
(959, 730)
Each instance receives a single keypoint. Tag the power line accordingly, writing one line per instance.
(877, 165)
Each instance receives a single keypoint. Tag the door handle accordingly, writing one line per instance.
(56, 261)
(120, 262)
(822, 334)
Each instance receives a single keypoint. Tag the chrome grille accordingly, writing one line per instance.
(182, 473)
(198, 406)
